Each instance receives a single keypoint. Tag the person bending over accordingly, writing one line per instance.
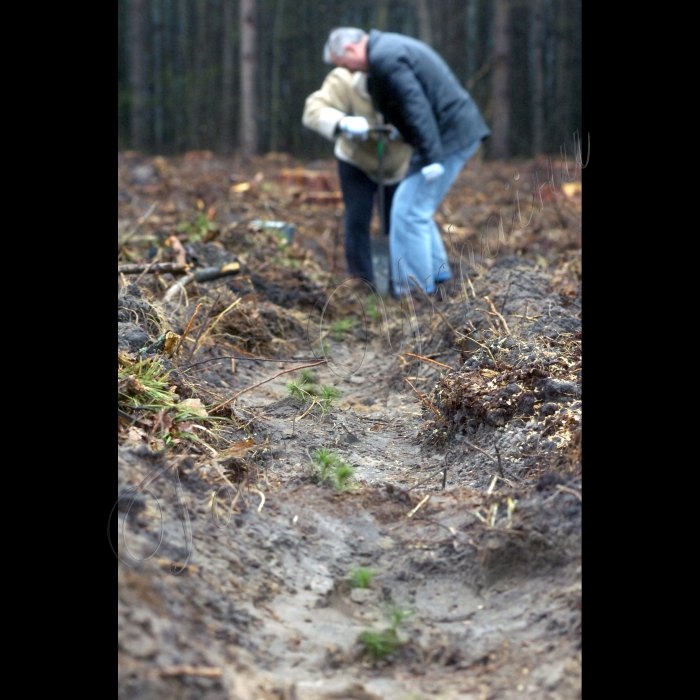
(341, 110)
(415, 90)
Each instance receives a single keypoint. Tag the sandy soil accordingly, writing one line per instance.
(461, 417)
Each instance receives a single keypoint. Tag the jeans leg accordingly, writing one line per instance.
(358, 198)
(416, 245)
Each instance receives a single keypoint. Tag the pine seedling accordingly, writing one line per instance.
(343, 472)
(297, 390)
(325, 460)
(328, 395)
(360, 577)
(379, 644)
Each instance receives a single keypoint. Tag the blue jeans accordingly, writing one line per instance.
(416, 248)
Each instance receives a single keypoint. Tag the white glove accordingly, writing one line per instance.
(354, 127)
(432, 171)
(394, 134)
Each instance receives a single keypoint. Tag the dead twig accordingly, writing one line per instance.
(505, 296)
(139, 224)
(500, 466)
(485, 347)
(262, 497)
(178, 287)
(428, 478)
(135, 268)
(201, 330)
(415, 510)
(223, 313)
(187, 330)
(571, 491)
(264, 381)
(427, 359)
(206, 671)
(502, 320)
(427, 403)
(244, 359)
(148, 269)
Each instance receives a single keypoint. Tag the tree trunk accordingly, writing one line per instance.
(561, 85)
(536, 77)
(424, 31)
(248, 132)
(180, 84)
(199, 84)
(382, 21)
(227, 77)
(157, 53)
(276, 87)
(471, 36)
(500, 122)
(137, 71)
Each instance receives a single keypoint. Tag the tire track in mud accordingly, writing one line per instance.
(265, 592)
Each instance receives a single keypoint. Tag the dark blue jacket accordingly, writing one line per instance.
(415, 90)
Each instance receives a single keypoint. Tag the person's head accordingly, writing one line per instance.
(347, 47)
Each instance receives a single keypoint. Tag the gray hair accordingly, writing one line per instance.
(339, 39)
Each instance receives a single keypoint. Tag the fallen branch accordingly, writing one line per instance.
(427, 403)
(206, 671)
(264, 381)
(245, 359)
(429, 477)
(135, 268)
(427, 359)
(415, 510)
(205, 274)
(478, 449)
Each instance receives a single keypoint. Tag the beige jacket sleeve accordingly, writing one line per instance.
(345, 93)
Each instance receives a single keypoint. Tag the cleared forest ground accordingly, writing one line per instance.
(438, 551)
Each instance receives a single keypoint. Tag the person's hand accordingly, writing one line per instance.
(394, 134)
(354, 127)
(432, 171)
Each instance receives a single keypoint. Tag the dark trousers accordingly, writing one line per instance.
(358, 196)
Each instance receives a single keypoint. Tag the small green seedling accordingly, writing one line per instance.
(326, 460)
(361, 577)
(297, 391)
(306, 390)
(332, 470)
(342, 475)
(341, 326)
(328, 395)
(380, 644)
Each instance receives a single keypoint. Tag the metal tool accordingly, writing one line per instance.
(382, 265)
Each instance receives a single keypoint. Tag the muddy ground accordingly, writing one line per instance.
(460, 416)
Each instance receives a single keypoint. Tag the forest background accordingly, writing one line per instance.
(231, 76)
